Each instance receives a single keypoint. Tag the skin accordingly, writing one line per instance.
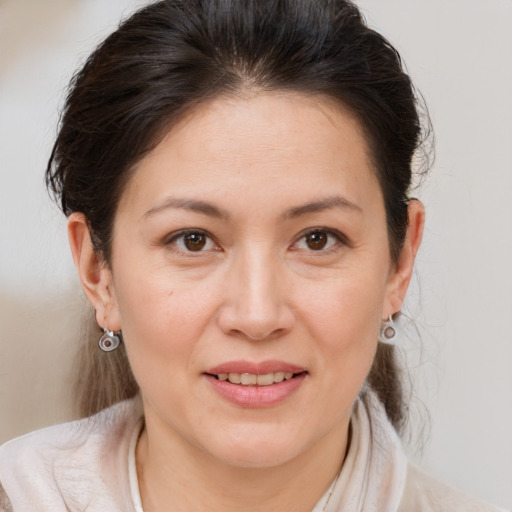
(257, 291)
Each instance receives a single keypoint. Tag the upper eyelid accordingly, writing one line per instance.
(186, 231)
(330, 231)
(175, 235)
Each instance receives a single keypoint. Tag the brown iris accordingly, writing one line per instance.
(194, 241)
(316, 241)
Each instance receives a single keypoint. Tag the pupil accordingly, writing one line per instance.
(317, 241)
(195, 241)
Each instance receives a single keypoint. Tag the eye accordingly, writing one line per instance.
(192, 241)
(318, 239)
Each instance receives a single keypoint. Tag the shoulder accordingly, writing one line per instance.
(66, 463)
(424, 493)
(75, 438)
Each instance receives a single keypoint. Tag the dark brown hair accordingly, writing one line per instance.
(174, 54)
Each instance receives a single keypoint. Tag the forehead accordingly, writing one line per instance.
(271, 143)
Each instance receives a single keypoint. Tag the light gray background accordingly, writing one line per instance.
(459, 54)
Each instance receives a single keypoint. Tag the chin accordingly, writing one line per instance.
(267, 457)
(255, 451)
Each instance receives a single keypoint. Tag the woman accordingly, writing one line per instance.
(236, 178)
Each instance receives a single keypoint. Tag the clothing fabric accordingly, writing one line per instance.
(90, 465)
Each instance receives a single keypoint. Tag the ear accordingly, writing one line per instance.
(94, 273)
(401, 273)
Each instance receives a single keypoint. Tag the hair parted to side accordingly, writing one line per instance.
(174, 54)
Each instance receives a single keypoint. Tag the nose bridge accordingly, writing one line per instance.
(256, 306)
(260, 275)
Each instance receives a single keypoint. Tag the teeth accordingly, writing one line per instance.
(265, 380)
(234, 378)
(250, 379)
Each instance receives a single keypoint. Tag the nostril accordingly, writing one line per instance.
(244, 319)
(252, 335)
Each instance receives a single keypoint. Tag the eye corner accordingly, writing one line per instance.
(176, 242)
(338, 240)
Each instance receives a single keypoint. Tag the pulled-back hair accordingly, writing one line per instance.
(174, 54)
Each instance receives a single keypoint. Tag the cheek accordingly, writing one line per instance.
(347, 311)
(344, 320)
(162, 317)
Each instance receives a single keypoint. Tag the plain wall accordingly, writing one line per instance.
(459, 55)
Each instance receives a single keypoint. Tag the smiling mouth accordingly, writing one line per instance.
(251, 379)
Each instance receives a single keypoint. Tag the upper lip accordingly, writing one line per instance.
(255, 368)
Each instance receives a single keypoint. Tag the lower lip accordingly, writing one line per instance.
(255, 397)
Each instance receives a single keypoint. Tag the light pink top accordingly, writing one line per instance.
(90, 465)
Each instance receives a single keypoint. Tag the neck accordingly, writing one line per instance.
(181, 474)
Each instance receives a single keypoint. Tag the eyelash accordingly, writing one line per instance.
(174, 237)
(340, 240)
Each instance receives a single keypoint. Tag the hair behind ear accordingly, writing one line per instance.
(5, 503)
(101, 378)
(385, 379)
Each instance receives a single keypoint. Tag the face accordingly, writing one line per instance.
(251, 245)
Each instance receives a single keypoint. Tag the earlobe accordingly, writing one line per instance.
(93, 272)
(402, 272)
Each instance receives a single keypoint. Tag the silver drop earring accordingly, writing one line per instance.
(388, 331)
(109, 341)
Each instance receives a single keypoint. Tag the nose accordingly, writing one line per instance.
(255, 305)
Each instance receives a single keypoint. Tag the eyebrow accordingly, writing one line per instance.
(211, 210)
(193, 205)
(327, 203)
